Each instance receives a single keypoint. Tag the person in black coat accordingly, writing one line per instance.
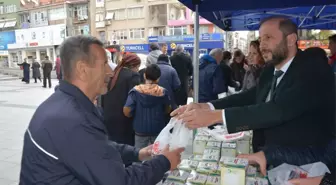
(227, 71)
(237, 66)
(36, 71)
(184, 68)
(26, 71)
(126, 76)
(288, 107)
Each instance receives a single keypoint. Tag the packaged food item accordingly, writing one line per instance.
(251, 171)
(256, 181)
(196, 157)
(243, 147)
(197, 178)
(188, 165)
(213, 180)
(200, 143)
(214, 144)
(229, 149)
(178, 175)
(234, 162)
(210, 158)
(168, 182)
(208, 168)
(232, 176)
(212, 151)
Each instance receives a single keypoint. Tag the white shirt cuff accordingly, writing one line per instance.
(224, 119)
(211, 106)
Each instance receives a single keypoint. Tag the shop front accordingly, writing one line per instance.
(36, 43)
(135, 48)
(5, 39)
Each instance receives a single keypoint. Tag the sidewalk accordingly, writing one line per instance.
(19, 73)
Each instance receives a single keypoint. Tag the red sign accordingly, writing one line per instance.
(33, 44)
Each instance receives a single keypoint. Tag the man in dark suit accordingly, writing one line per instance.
(293, 103)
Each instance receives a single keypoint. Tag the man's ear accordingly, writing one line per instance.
(81, 70)
(292, 39)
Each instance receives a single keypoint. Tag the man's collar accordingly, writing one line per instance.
(285, 67)
(75, 92)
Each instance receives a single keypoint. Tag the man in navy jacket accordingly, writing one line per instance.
(66, 141)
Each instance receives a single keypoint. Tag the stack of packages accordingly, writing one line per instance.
(215, 163)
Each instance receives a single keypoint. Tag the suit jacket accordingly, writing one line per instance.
(302, 111)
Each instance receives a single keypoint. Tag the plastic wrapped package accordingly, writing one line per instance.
(251, 171)
(229, 149)
(214, 144)
(178, 175)
(232, 176)
(256, 181)
(208, 168)
(213, 180)
(243, 147)
(234, 162)
(197, 158)
(212, 151)
(210, 158)
(169, 182)
(188, 165)
(197, 178)
(200, 143)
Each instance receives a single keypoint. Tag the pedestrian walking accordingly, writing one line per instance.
(36, 71)
(47, 67)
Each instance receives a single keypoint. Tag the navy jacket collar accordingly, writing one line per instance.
(81, 98)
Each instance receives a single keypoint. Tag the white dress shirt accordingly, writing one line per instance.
(284, 68)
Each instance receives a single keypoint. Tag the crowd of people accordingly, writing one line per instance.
(286, 96)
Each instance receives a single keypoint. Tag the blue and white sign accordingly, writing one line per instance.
(203, 45)
(185, 38)
(135, 48)
(6, 38)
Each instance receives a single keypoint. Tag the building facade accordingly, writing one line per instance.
(43, 25)
(127, 22)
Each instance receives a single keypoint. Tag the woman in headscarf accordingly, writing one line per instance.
(125, 77)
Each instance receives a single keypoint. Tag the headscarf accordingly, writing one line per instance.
(129, 61)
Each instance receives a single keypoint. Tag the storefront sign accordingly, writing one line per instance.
(6, 38)
(203, 45)
(135, 48)
(33, 44)
(185, 38)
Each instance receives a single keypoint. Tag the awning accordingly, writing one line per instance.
(2, 24)
(109, 15)
(10, 24)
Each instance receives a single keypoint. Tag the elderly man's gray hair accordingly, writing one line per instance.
(179, 48)
(215, 52)
(74, 49)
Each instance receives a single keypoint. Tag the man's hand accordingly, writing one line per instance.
(256, 158)
(189, 107)
(307, 181)
(145, 153)
(173, 156)
(198, 118)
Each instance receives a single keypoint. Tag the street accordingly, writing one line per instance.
(18, 101)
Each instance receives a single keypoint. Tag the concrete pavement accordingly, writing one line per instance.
(18, 102)
(19, 73)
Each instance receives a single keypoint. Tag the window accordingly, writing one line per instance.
(134, 13)
(217, 29)
(204, 29)
(120, 34)
(56, 14)
(81, 12)
(119, 14)
(10, 8)
(137, 33)
(1, 9)
(39, 18)
(178, 30)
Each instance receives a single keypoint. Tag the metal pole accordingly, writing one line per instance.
(196, 55)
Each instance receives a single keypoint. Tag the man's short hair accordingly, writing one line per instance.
(153, 72)
(227, 55)
(47, 57)
(216, 52)
(163, 58)
(154, 46)
(74, 49)
(332, 38)
(286, 25)
(179, 48)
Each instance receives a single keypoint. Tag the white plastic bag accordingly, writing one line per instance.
(285, 172)
(175, 134)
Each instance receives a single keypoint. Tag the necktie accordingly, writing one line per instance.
(277, 74)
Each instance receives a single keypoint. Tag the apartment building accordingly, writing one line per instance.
(133, 21)
(8, 22)
(44, 24)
